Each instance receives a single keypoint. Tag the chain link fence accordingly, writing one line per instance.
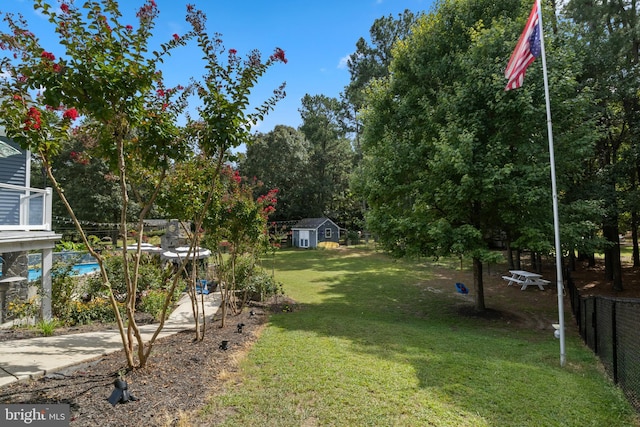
(611, 328)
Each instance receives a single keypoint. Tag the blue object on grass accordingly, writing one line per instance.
(461, 288)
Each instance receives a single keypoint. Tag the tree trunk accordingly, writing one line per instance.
(612, 264)
(478, 285)
(533, 261)
(634, 239)
(572, 260)
(510, 255)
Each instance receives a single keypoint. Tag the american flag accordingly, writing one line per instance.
(526, 51)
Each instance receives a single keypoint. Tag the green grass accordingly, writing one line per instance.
(368, 347)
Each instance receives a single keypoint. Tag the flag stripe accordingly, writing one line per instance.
(524, 53)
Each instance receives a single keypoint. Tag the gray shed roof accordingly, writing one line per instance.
(312, 223)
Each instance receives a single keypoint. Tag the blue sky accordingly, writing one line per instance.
(316, 36)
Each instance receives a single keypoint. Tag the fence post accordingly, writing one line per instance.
(614, 344)
(594, 325)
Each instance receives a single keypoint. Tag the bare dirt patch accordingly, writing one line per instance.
(531, 308)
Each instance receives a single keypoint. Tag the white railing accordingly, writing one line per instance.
(24, 208)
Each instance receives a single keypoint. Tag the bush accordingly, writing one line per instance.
(63, 288)
(152, 302)
(96, 310)
(252, 279)
(261, 286)
(23, 311)
(150, 276)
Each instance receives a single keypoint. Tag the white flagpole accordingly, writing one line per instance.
(556, 223)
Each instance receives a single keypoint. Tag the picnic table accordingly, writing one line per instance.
(526, 278)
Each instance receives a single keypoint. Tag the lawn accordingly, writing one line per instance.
(376, 341)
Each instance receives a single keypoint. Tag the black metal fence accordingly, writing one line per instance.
(611, 328)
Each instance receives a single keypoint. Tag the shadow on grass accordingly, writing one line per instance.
(400, 315)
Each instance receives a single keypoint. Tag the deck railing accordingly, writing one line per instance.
(24, 208)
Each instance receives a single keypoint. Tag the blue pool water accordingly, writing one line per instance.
(78, 270)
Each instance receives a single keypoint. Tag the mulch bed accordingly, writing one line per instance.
(179, 377)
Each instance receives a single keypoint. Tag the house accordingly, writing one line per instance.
(309, 232)
(25, 226)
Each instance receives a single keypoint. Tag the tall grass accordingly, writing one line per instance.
(369, 347)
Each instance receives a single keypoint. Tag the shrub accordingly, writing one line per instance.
(261, 286)
(252, 279)
(63, 288)
(152, 302)
(353, 237)
(23, 311)
(96, 310)
(150, 276)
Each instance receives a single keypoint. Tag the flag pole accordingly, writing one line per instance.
(556, 223)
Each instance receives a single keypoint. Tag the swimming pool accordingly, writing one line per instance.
(78, 270)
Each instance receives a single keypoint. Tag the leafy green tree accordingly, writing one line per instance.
(609, 32)
(245, 228)
(450, 158)
(280, 159)
(330, 157)
(371, 61)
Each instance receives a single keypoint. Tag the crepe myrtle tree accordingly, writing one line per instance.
(225, 114)
(107, 75)
(244, 225)
(223, 123)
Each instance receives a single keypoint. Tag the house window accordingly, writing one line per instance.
(327, 233)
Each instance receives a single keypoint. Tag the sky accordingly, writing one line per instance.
(317, 37)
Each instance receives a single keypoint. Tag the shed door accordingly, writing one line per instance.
(304, 238)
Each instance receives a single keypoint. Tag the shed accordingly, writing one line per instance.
(308, 232)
